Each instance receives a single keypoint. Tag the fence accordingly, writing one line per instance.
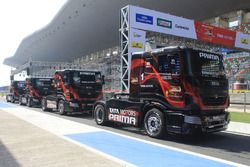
(240, 99)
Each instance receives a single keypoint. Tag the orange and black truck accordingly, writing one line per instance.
(75, 91)
(17, 88)
(35, 89)
(172, 90)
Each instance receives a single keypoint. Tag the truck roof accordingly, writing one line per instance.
(158, 50)
(17, 81)
(39, 78)
(80, 70)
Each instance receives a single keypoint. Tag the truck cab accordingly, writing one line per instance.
(17, 88)
(76, 91)
(36, 88)
(174, 89)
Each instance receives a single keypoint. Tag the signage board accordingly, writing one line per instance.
(209, 33)
(242, 40)
(150, 20)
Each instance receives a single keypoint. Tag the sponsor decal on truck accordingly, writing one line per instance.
(123, 116)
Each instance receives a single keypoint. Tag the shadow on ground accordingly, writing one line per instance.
(6, 158)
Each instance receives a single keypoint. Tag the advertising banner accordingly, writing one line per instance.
(214, 34)
(242, 40)
(137, 40)
(150, 20)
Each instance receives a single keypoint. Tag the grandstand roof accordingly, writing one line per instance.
(85, 26)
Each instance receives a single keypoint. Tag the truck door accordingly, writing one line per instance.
(148, 78)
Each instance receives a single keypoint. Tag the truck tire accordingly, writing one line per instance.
(7, 99)
(61, 108)
(154, 123)
(100, 115)
(44, 105)
(29, 102)
(20, 101)
(12, 100)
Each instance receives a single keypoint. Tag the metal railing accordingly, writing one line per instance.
(242, 99)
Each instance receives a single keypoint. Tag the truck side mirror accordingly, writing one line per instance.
(103, 79)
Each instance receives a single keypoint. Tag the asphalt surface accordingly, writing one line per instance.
(231, 147)
(25, 145)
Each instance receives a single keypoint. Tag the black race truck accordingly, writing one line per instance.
(173, 89)
(75, 91)
(17, 88)
(35, 89)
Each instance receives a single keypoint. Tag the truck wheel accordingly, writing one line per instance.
(100, 115)
(29, 102)
(7, 99)
(154, 123)
(44, 105)
(12, 100)
(61, 108)
(20, 101)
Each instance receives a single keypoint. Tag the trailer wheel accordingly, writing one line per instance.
(100, 115)
(154, 123)
(61, 108)
(29, 102)
(44, 105)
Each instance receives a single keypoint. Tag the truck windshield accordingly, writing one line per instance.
(169, 63)
(43, 82)
(206, 64)
(20, 85)
(85, 77)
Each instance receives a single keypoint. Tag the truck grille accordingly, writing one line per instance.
(88, 94)
(214, 100)
(89, 91)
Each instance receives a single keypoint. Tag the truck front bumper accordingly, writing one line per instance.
(75, 106)
(205, 124)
